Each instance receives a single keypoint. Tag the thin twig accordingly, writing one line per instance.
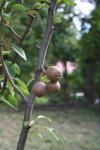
(23, 36)
(9, 76)
(27, 29)
(2, 5)
(13, 31)
(11, 28)
(41, 60)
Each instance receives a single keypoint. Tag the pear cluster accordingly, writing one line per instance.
(54, 74)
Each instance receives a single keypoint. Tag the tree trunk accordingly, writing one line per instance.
(89, 89)
(40, 65)
(66, 97)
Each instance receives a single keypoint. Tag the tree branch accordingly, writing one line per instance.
(24, 35)
(11, 28)
(8, 75)
(2, 5)
(20, 43)
(41, 60)
(21, 38)
(27, 29)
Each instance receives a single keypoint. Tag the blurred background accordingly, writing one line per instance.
(75, 49)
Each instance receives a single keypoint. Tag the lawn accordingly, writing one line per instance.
(77, 129)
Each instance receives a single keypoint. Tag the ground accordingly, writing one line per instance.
(77, 129)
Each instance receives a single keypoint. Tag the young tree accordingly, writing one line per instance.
(12, 13)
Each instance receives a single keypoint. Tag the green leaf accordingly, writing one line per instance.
(19, 51)
(13, 68)
(9, 86)
(19, 7)
(29, 82)
(39, 5)
(17, 69)
(69, 2)
(10, 68)
(32, 123)
(6, 4)
(20, 82)
(10, 5)
(12, 99)
(51, 130)
(43, 117)
(39, 117)
(6, 15)
(24, 90)
(9, 103)
(44, 79)
(37, 133)
(21, 85)
(42, 1)
(58, 17)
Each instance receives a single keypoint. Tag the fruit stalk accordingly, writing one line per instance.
(41, 60)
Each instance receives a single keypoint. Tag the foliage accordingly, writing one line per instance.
(89, 57)
(14, 20)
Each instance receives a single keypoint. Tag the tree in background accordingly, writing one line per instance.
(90, 55)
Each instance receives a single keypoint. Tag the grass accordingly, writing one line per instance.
(77, 129)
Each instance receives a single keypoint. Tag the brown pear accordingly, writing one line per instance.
(39, 89)
(53, 87)
(54, 74)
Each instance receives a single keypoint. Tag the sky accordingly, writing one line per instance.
(84, 8)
